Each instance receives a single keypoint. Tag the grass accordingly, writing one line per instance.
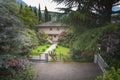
(39, 50)
(63, 52)
(61, 49)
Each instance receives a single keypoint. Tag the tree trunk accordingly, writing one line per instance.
(106, 16)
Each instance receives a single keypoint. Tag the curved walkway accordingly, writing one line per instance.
(52, 47)
(65, 71)
(42, 57)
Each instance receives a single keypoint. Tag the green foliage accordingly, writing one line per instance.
(111, 75)
(24, 75)
(11, 6)
(46, 15)
(43, 38)
(91, 7)
(27, 41)
(61, 49)
(66, 38)
(35, 10)
(67, 58)
(14, 39)
(39, 14)
(81, 56)
(10, 27)
(88, 41)
(79, 22)
(110, 39)
(63, 53)
(13, 64)
(15, 68)
(28, 16)
(21, 7)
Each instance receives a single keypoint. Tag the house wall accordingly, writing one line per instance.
(52, 31)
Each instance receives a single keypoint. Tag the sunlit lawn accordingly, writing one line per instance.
(63, 52)
(40, 49)
(61, 49)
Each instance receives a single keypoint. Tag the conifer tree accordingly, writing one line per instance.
(39, 14)
(30, 7)
(35, 10)
(21, 6)
(46, 14)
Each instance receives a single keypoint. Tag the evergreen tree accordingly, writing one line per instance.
(49, 17)
(30, 7)
(46, 14)
(28, 16)
(39, 14)
(35, 10)
(103, 8)
(21, 6)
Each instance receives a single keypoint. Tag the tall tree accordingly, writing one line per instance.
(28, 16)
(49, 17)
(35, 10)
(39, 14)
(21, 6)
(46, 14)
(30, 7)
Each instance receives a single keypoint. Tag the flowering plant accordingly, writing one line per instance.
(12, 64)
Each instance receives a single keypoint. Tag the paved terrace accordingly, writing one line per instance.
(66, 71)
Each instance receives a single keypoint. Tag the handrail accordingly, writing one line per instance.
(101, 62)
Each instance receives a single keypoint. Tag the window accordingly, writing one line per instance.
(57, 28)
(50, 29)
(54, 36)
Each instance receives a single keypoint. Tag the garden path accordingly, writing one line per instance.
(52, 47)
(42, 57)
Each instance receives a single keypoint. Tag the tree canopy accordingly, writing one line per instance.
(102, 9)
(39, 14)
(46, 14)
(28, 16)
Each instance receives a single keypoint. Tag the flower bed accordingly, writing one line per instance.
(10, 64)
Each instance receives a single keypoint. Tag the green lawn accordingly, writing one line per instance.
(64, 52)
(39, 50)
(61, 49)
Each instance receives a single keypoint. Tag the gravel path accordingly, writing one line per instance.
(65, 71)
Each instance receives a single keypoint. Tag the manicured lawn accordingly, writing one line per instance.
(40, 49)
(61, 49)
(63, 52)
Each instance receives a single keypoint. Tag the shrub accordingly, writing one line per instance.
(43, 50)
(47, 46)
(110, 75)
(81, 56)
(75, 54)
(24, 75)
(13, 64)
(15, 68)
